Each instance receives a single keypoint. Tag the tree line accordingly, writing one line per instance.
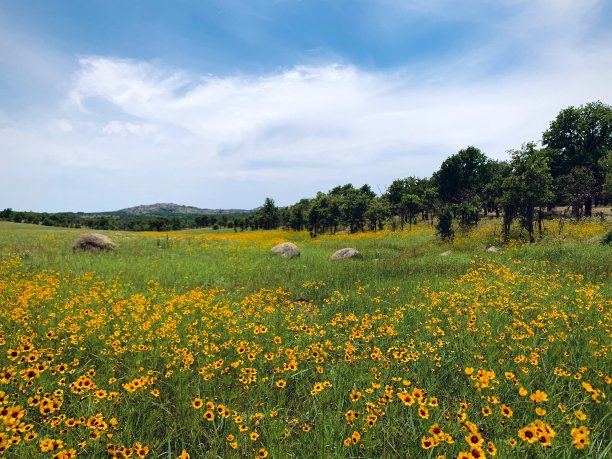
(130, 222)
(571, 166)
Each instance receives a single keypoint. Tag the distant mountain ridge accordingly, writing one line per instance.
(168, 208)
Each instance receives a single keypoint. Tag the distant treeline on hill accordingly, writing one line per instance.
(572, 168)
(130, 222)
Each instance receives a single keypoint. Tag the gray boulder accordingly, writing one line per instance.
(493, 249)
(93, 242)
(348, 252)
(286, 249)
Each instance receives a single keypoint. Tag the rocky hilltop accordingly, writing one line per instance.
(175, 209)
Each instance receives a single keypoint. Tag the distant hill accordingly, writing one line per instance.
(170, 209)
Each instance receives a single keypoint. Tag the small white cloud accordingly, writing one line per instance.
(117, 128)
(61, 126)
(123, 81)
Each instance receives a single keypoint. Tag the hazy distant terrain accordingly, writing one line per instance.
(172, 209)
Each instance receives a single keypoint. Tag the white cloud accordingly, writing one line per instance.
(336, 114)
(60, 126)
(137, 132)
(294, 131)
(117, 128)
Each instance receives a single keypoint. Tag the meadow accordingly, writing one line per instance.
(203, 344)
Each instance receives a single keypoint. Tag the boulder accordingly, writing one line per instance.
(286, 249)
(493, 249)
(348, 252)
(93, 242)
(446, 254)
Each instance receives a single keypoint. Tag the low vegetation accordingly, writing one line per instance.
(203, 343)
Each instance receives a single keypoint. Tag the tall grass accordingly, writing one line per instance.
(390, 356)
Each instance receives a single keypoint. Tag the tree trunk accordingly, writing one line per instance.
(507, 222)
(540, 214)
(588, 207)
(576, 208)
(529, 224)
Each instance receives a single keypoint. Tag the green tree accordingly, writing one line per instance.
(468, 212)
(378, 211)
(528, 185)
(492, 192)
(430, 201)
(606, 165)
(268, 214)
(577, 188)
(6, 214)
(411, 205)
(322, 214)
(297, 215)
(444, 226)
(410, 186)
(580, 137)
(353, 208)
(462, 176)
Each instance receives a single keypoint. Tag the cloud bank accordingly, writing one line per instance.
(127, 131)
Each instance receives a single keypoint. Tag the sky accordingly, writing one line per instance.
(108, 104)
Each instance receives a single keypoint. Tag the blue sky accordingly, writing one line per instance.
(108, 104)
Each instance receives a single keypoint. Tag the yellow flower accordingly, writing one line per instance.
(528, 434)
(544, 439)
(580, 415)
(539, 396)
(506, 411)
(580, 437)
(197, 403)
(475, 440)
(428, 442)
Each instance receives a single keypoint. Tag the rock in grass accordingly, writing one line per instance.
(446, 254)
(286, 249)
(493, 249)
(348, 252)
(93, 242)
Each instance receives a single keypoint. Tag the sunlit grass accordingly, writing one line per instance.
(205, 343)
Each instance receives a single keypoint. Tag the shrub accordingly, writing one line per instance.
(444, 226)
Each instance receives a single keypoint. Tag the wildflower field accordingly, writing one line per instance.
(204, 344)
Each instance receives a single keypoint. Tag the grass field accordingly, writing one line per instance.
(204, 344)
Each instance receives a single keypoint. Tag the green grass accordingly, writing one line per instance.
(402, 313)
(183, 264)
